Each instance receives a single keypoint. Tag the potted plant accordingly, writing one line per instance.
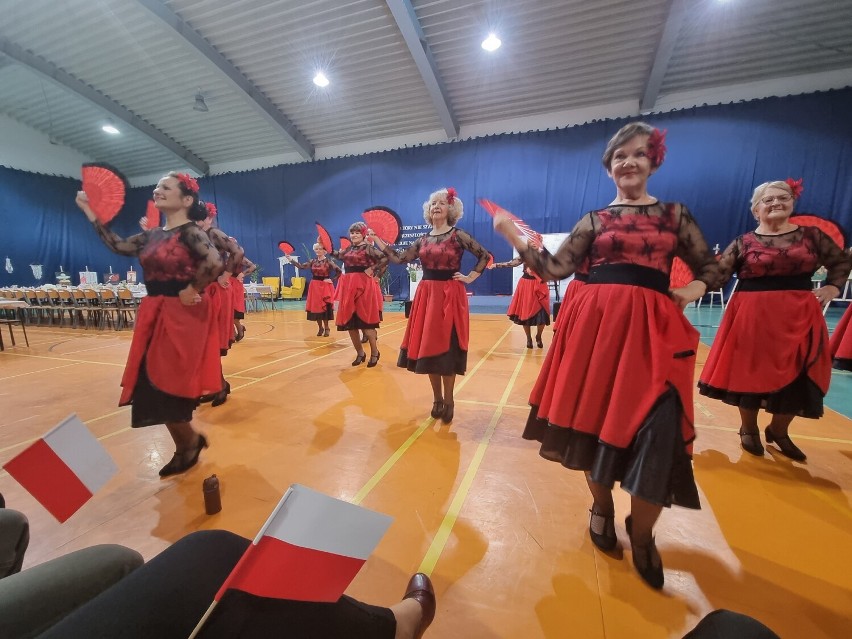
(384, 284)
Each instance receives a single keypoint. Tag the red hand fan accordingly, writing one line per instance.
(286, 247)
(324, 238)
(533, 238)
(105, 187)
(344, 242)
(681, 274)
(490, 260)
(384, 222)
(829, 227)
(152, 216)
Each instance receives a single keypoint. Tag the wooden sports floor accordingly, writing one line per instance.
(502, 532)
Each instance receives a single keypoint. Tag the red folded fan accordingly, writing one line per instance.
(533, 238)
(344, 242)
(286, 247)
(829, 227)
(384, 222)
(105, 187)
(324, 237)
(681, 274)
(152, 216)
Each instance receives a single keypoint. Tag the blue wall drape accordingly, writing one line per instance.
(717, 154)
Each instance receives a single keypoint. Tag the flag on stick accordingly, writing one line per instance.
(63, 469)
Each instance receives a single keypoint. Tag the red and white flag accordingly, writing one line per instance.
(310, 548)
(63, 469)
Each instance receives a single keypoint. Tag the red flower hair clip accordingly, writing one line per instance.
(188, 182)
(451, 195)
(657, 147)
(795, 186)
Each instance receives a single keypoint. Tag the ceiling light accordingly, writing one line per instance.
(200, 104)
(109, 127)
(320, 80)
(491, 43)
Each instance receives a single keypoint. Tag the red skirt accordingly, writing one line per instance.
(359, 306)
(436, 337)
(238, 297)
(840, 344)
(221, 302)
(771, 351)
(571, 291)
(530, 304)
(180, 347)
(320, 300)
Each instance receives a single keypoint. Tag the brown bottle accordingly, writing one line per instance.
(212, 500)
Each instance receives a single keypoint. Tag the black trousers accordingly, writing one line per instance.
(168, 595)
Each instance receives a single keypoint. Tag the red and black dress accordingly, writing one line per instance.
(320, 302)
(238, 289)
(172, 360)
(358, 307)
(221, 299)
(436, 337)
(530, 305)
(614, 396)
(771, 350)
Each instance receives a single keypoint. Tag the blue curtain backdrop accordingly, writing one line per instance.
(717, 154)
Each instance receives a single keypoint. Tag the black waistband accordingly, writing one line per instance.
(776, 283)
(631, 274)
(581, 277)
(168, 288)
(527, 276)
(437, 274)
(356, 269)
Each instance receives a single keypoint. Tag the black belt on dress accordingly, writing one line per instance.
(630, 274)
(776, 283)
(437, 274)
(356, 269)
(581, 277)
(167, 288)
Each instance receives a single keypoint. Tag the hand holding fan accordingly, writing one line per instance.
(324, 238)
(533, 238)
(344, 242)
(384, 222)
(105, 187)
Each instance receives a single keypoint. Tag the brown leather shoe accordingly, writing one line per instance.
(420, 589)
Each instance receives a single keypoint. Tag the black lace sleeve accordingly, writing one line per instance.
(731, 260)
(834, 259)
(570, 255)
(409, 254)
(129, 246)
(693, 249)
(247, 266)
(378, 255)
(229, 245)
(210, 264)
(336, 271)
(467, 242)
(302, 266)
(517, 261)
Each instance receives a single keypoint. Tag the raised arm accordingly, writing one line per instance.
(567, 259)
(517, 261)
(409, 254)
(117, 244)
(302, 265)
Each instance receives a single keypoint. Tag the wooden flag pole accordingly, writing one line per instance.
(201, 623)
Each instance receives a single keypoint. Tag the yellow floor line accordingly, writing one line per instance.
(446, 527)
(474, 402)
(42, 370)
(62, 359)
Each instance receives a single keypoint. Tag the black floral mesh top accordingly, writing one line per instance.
(441, 252)
(798, 252)
(228, 248)
(184, 253)
(648, 235)
(361, 255)
(320, 269)
(516, 261)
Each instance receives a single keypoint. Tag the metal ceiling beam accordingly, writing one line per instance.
(68, 82)
(665, 48)
(251, 93)
(412, 32)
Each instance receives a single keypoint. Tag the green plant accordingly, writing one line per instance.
(255, 275)
(384, 283)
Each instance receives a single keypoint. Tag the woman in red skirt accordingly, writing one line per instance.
(840, 344)
(771, 350)
(358, 307)
(172, 360)
(238, 296)
(614, 396)
(530, 305)
(320, 303)
(436, 337)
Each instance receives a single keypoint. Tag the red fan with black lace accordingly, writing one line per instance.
(681, 274)
(286, 247)
(384, 222)
(533, 238)
(324, 237)
(152, 216)
(829, 227)
(344, 242)
(105, 187)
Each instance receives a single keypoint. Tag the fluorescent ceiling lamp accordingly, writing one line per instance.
(320, 80)
(109, 128)
(491, 43)
(200, 104)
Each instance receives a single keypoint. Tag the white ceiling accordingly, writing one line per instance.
(402, 72)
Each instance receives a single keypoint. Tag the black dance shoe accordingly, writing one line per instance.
(374, 359)
(222, 396)
(360, 359)
(181, 462)
(539, 343)
(241, 333)
(325, 333)
(447, 415)
(319, 332)
(437, 409)
(529, 343)
(420, 589)
(786, 445)
(646, 560)
(605, 540)
(751, 443)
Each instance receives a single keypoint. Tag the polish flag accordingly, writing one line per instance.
(63, 469)
(310, 548)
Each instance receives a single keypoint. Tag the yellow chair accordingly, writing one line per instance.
(274, 283)
(295, 290)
